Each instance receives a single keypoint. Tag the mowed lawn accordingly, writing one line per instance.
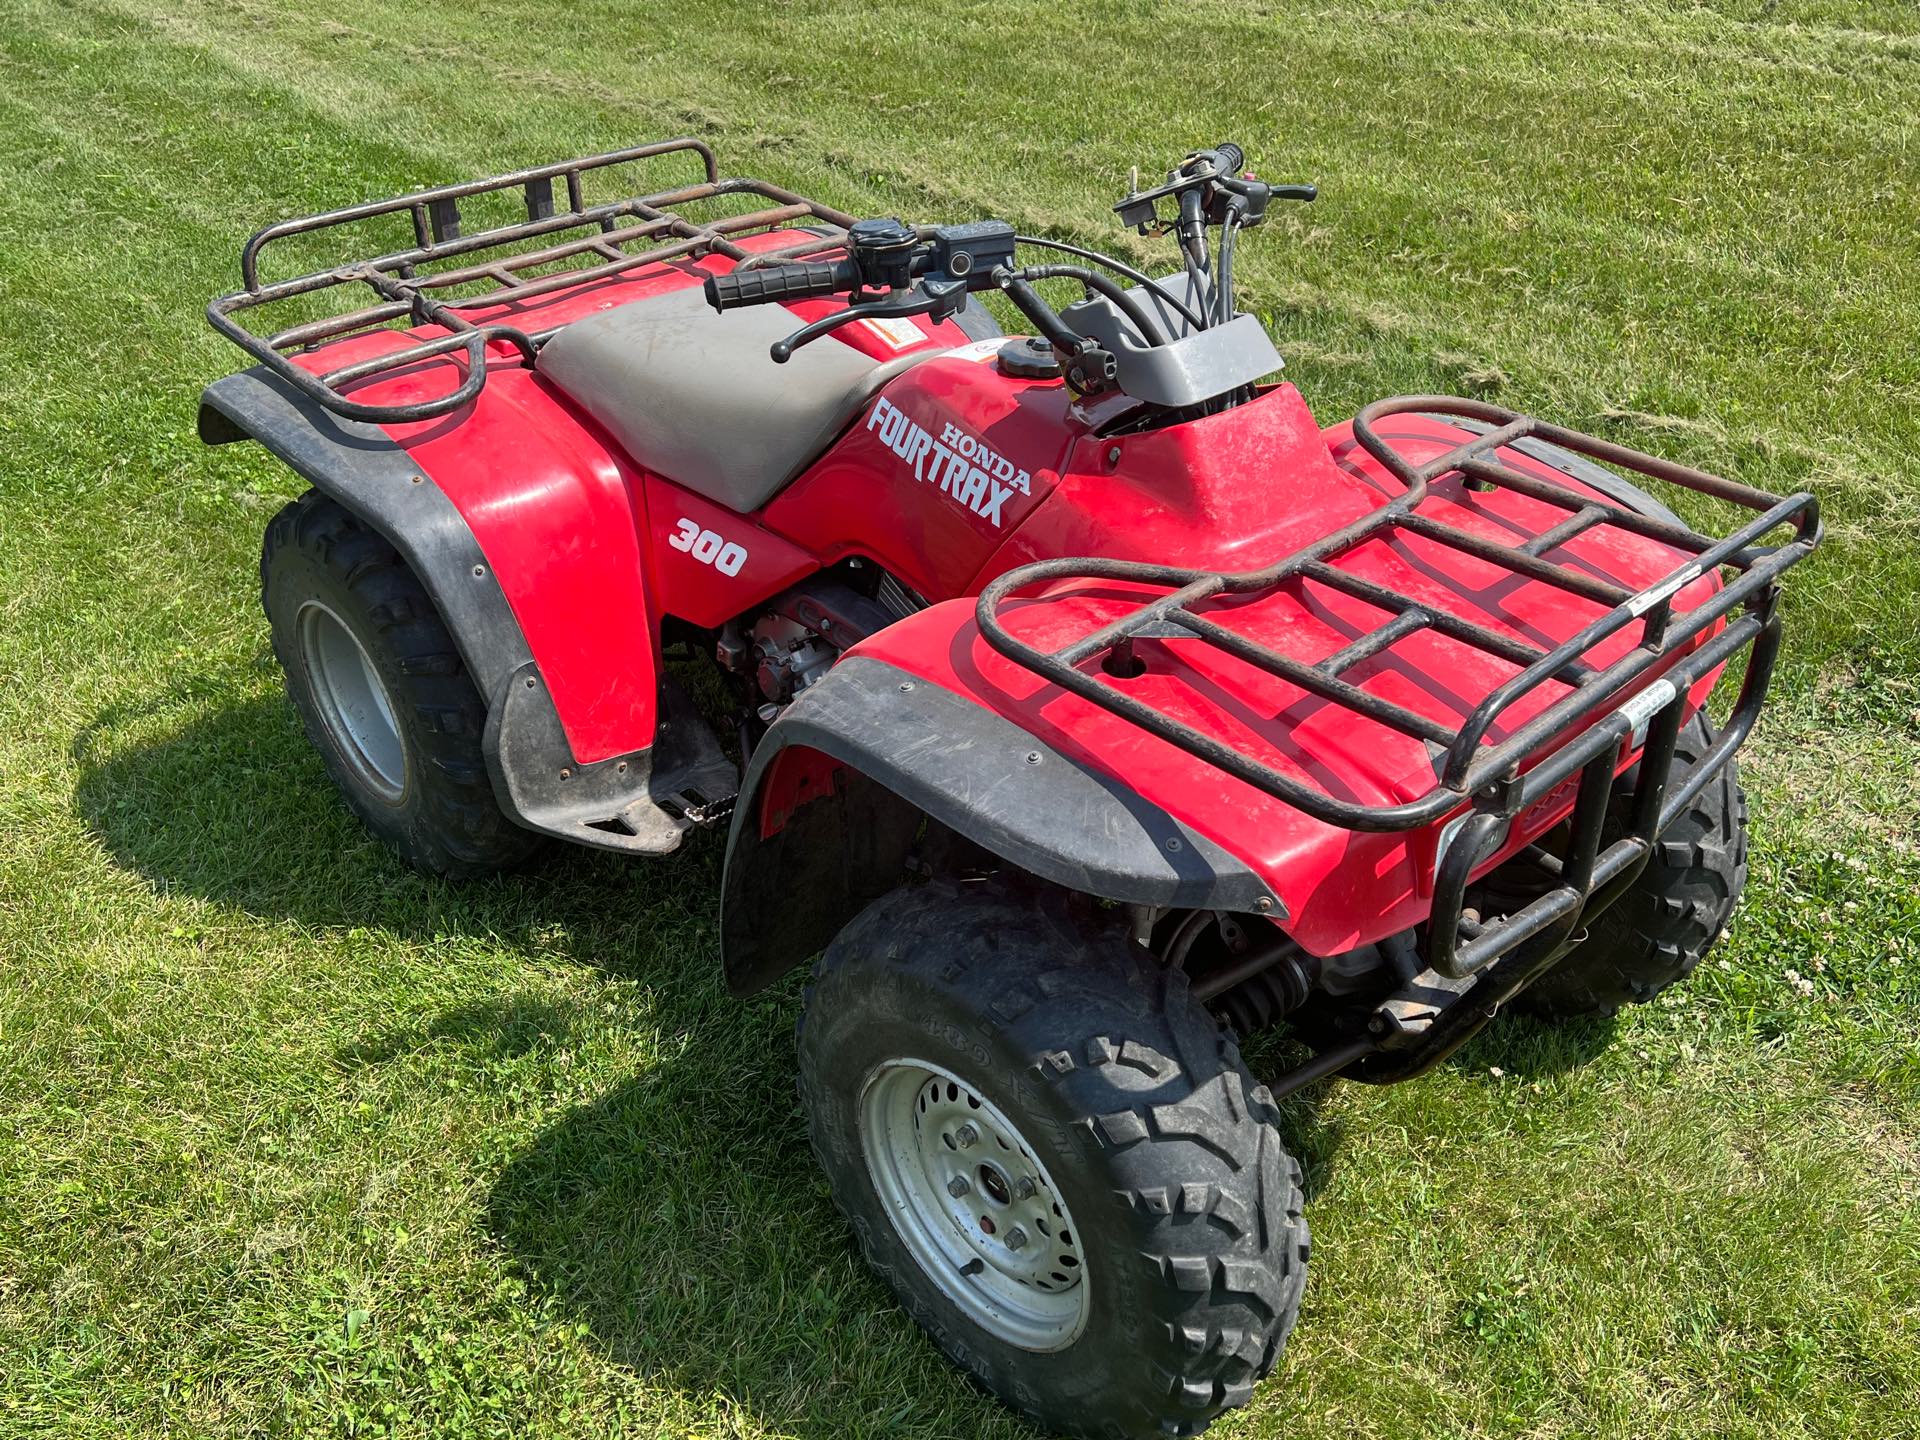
(293, 1141)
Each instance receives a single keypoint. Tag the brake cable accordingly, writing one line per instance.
(1223, 296)
(1145, 282)
(1093, 280)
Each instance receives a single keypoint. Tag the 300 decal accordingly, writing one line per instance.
(724, 555)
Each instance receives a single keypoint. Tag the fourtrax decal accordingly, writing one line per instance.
(963, 465)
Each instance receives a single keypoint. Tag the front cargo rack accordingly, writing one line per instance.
(496, 270)
(1493, 782)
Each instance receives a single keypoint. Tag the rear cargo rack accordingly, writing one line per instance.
(1493, 779)
(495, 264)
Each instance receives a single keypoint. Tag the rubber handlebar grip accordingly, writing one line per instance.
(774, 283)
(1232, 158)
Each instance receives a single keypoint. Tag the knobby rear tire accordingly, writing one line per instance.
(444, 819)
(1161, 1144)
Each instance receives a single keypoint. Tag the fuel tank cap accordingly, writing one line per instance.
(1029, 358)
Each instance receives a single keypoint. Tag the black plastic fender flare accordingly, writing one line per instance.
(914, 750)
(360, 466)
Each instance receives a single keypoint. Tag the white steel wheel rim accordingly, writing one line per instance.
(1004, 1249)
(353, 701)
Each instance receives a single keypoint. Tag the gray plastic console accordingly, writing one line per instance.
(1196, 366)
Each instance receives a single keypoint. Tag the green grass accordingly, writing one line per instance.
(298, 1143)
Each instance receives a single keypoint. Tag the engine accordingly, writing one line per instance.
(787, 657)
(792, 644)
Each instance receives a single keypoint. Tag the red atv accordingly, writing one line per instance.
(1091, 703)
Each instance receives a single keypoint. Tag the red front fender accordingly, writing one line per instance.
(1331, 889)
(842, 787)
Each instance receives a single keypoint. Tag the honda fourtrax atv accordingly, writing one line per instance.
(1090, 703)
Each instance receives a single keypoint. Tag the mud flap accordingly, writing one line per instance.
(642, 802)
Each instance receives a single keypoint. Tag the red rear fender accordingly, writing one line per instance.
(530, 546)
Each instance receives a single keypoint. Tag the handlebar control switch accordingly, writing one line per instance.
(882, 251)
(1091, 368)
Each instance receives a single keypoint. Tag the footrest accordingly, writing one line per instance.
(643, 803)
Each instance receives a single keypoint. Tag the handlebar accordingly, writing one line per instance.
(891, 270)
(779, 283)
(1230, 161)
(894, 270)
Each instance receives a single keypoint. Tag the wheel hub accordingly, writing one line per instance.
(352, 701)
(974, 1205)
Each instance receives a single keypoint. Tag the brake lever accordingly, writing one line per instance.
(938, 298)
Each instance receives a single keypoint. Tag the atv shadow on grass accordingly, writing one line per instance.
(679, 1216)
(232, 805)
(683, 1222)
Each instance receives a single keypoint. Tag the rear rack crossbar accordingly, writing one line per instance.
(408, 294)
(1466, 764)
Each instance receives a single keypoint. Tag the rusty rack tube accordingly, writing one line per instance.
(406, 292)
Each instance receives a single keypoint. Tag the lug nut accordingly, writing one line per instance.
(1023, 1189)
(1016, 1238)
(965, 1135)
(958, 1186)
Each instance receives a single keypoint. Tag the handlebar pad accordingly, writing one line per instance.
(774, 283)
